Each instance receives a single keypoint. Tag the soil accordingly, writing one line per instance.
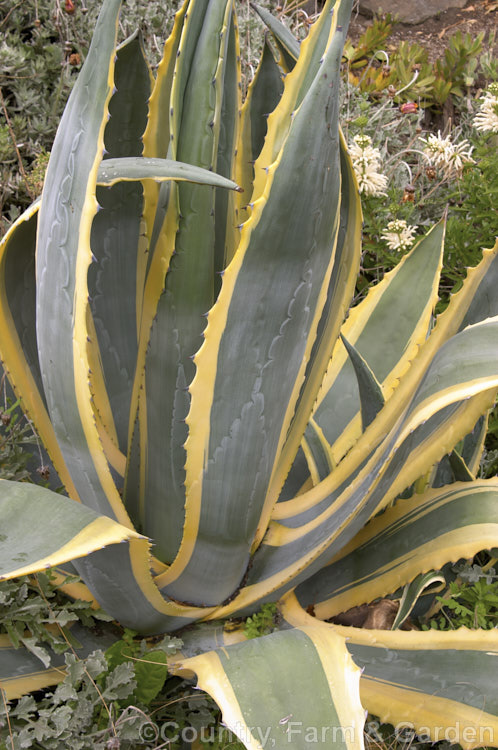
(433, 34)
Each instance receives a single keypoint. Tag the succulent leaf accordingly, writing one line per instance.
(186, 353)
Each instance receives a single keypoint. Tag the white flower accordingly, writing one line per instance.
(446, 155)
(487, 117)
(399, 235)
(367, 164)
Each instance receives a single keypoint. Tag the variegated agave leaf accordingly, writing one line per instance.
(226, 433)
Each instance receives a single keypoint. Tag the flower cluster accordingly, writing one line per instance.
(366, 164)
(487, 117)
(445, 155)
(399, 235)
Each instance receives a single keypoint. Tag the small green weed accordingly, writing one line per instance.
(471, 601)
(16, 438)
(489, 460)
(262, 622)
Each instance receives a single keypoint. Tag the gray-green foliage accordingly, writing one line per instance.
(41, 51)
(121, 671)
(105, 696)
(71, 715)
(29, 604)
(120, 698)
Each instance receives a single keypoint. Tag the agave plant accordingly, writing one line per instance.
(226, 433)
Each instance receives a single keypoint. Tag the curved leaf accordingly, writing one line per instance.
(112, 171)
(439, 683)
(64, 529)
(118, 248)
(281, 32)
(189, 287)
(254, 684)
(371, 396)
(339, 295)
(425, 583)
(383, 338)
(416, 441)
(263, 95)
(296, 85)
(18, 342)
(415, 536)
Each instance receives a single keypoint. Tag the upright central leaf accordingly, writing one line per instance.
(259, 337)
(176, 335)
(117, 242)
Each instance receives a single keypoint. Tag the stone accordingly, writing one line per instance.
(408, 11)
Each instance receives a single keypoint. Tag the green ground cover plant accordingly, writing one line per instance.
(407, 74)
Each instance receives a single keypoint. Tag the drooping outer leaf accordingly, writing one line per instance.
(259, 357)
(415, 536)
(64, 529)
(439, 683)
(254, 684)
(112, 171)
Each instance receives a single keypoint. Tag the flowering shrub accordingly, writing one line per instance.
(407, 182)
(367, 164)
(486, 119)
(446, 155)
(399, 235)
